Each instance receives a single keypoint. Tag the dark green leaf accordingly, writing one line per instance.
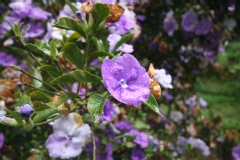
(124, 39)
(39, 48)
(40, 96)
(152, 104)
(66, 96)
(96, 54)
(44, 114)
(36, 74)
(96, 104)
(98, 44)
(54, 51)
(77, 76)
(50, 69)
(73, 53)
(70, 24)
(38, 106)
(99, 14)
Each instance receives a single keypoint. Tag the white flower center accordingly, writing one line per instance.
(123, 83)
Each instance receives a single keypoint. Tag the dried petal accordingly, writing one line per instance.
(116, 12)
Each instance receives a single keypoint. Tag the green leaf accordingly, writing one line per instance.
(77, 76)
(99, 14)
(66, 96)
(44, 114)
(96, 104)
(124, 39)
(73, 53)
(36, 74)
(98, 44)
(38, 106)
(53, 49)
(15, 115)
(50, 69)
(96, 54)
(74, 37)
(70, 24)
(16, 29)
(40, 48)
(152, 104)
(40, 96)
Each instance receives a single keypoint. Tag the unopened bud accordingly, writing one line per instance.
(16, 68)
(26, 110)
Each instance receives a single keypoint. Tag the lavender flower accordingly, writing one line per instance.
(137, 154)
(36, 29)
(164, 79)
(141, 138)
(202, 102)
(107, 155)
(200, 144)
(113, 39)
(68, 137)
(126, 80)
(26, 110)
(108, 111)
(6, 59)
(236, 152)
(203, 27)
(169, 25)
(124, 126)
(191, 101)
(189, 20)
(1, 140)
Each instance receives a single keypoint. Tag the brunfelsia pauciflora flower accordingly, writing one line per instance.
(67, 90)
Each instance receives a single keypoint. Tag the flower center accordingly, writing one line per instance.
(123, 83)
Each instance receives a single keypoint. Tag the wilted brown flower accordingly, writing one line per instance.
(87, 7)
(116, 12)
(65, 63)
(25, 78)
(7, 90)
(192, 129)
(154, 85)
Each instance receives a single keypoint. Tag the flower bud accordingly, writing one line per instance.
(26, 110)
(16, 68)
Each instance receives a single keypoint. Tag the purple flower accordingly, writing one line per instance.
(200, 144)
(236, 152)
(36, 29)
(108, 111)
(169, 25)
(122, 26)
(124, 126)
(189, 20)
(68, 137)
(202, 102)
(137, 154)
(141, 138)
(26, 110)
(38, 14)
(203, 27)
(113, 40)
(6, 59)
(107, 155)
(126, 80)
(191, 101)
(1, 140)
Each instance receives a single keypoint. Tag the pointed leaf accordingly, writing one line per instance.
(40, 96)
(99, 14)
(53, 49)
(152, 104)
(77, 76)
(74, 37)
(73, 53)
(44, 114)
(38, 106)
(50, 69)
(96, 104)
(124, 39)
(15, 115)
(36, 74)
(73, 8)
(70, 24)
(40, 48)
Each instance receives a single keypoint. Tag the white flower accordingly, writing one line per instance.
(164, 79)
(176, 116)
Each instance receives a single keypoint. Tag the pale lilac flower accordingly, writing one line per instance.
(164, 79)
(236, 152)
(26, 110)
(202, 102)
(189, 20)
(169, 25)
(203, 27)
(6, 59)
(113, 40)
(108, 111)
(126, 80)
(67, 12)
(137, 154)
(200, 144)
(67, 138)
(141, 138)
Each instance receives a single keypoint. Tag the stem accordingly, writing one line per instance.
(46, 122)
(94, 143)
(43, 90)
